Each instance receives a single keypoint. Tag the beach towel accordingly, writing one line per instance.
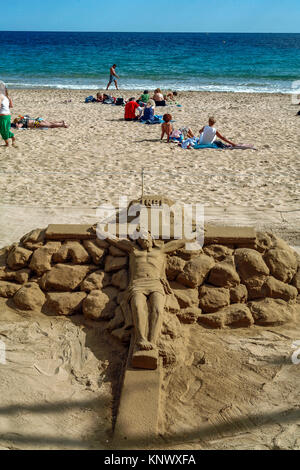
(194, 142)
(156, 120)
(109, 100)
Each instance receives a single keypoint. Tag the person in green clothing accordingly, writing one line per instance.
(144, 98)
(5, 116)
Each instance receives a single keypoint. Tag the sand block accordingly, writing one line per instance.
(70, 232)
(137, 420)
(144, 359)
(229, 235)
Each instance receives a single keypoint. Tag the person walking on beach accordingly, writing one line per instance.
(112, 77)
(5, 115)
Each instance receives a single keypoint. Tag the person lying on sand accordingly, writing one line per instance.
(26, 122)
(171, 133)
(99, 97)
(5, 115)
(209, 133)
(171, 95)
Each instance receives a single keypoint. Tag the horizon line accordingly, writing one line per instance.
(146, 32)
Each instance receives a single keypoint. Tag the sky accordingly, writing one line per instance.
(278, 16)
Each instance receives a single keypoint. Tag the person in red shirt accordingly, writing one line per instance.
(130, 109)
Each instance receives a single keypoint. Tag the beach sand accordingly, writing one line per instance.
(101, 156)
(62, 374)
(63, 175)
(230, 389)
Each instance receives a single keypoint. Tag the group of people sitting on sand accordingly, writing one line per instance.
(158, 97)
(142, 109)
(207, 134)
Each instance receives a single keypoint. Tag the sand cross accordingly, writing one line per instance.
(144, 301)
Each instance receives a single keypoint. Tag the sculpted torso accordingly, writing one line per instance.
(147, 264)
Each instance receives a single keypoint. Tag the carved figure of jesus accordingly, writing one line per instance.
(148, 287)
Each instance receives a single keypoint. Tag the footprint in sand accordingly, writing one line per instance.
(192, 388)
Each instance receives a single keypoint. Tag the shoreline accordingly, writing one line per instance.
(140, 90)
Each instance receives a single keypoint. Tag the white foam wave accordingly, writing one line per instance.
(283, 87)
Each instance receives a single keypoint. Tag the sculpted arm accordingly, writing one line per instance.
(173, 245)
(121, 243)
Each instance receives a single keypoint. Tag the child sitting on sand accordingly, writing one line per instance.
(178, 134)
(209, 133)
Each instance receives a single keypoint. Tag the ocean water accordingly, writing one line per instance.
(181, 61)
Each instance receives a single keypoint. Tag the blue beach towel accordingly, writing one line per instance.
(156, 120)
(194, 143)
(206, 146)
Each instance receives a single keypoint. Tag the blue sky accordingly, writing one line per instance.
(155, 15)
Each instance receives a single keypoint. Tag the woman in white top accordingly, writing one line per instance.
(209, 133)
(5, 117)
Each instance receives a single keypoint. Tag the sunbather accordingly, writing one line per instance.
(27, 122)
(209, 133)
(148, 114)
(100, 97)
(171, 133)
(158, 97)
(144, 98)
(171, 95)
(130, 110)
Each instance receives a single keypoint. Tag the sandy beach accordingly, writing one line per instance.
(64, 373)
(100, 156)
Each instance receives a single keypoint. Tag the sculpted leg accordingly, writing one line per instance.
(157, 302)
(140, 314)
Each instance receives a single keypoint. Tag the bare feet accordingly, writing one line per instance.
(144, 345)
(65, 125)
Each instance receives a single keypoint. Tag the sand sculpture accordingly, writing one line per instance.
(146, 289)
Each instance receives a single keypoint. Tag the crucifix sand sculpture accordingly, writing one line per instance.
(145, 289)
(145, 298)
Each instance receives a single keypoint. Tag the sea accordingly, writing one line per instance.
(253, 63)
